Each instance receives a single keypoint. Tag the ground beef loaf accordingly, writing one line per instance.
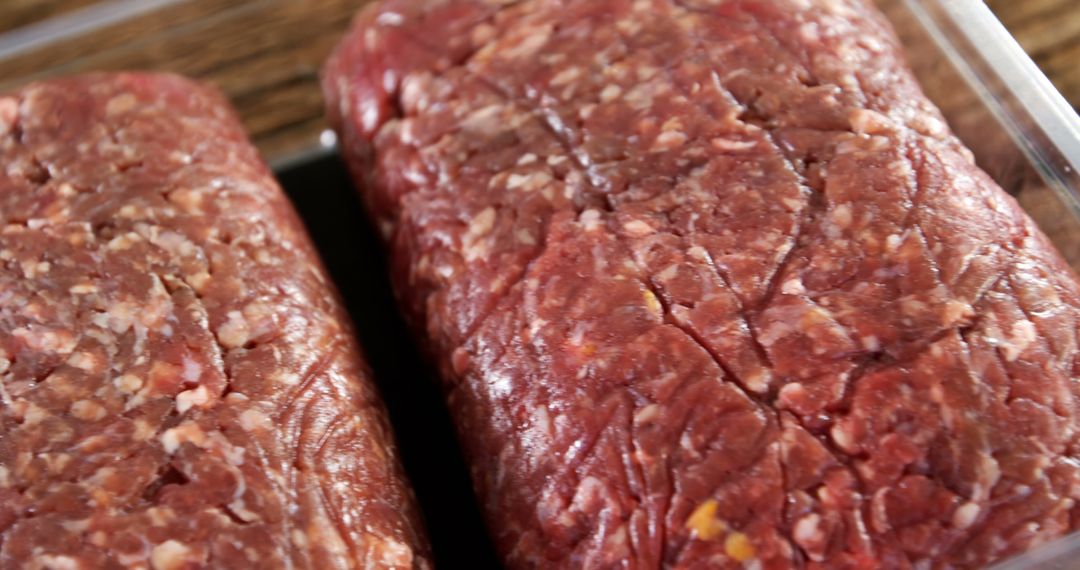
(712, 285)
(179, 385)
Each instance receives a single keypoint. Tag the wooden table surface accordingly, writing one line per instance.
(1049, 30)
(265, 54)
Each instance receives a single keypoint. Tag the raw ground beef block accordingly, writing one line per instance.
(711, 284)
(180, 387)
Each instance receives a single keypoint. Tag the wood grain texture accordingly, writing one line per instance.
(19, 13)
(1049, 30)
(265, 54)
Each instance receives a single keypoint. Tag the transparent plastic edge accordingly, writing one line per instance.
(76, 23)
(326, 146)
(1050, 556)
(1050, 117)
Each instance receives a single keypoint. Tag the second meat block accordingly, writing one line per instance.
(711, 284)
(179, 386)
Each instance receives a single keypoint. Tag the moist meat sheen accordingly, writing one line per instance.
(712, 285)
(179, 385)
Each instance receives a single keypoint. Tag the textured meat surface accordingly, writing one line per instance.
(711, 284)
(180, 388)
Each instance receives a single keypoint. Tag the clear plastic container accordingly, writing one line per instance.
(265, 54)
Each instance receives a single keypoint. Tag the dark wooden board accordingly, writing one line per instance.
(18, 13)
